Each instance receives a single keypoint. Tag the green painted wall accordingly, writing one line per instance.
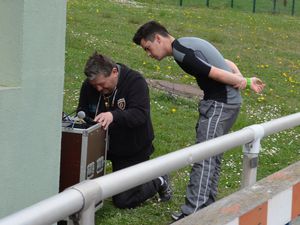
(32, 48)
(11, 13)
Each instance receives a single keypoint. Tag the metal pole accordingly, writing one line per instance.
(250, 162)
(254, 5)
(180, 2)
(280, 124)
(293, 8)
(87, 217)
(89, 190)
(82, 197)
(48, 211)
(231, 3)
(251, 151)
(207, 3)
(274, 6)
(127, 178)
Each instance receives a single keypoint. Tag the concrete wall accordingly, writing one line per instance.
(32, 48)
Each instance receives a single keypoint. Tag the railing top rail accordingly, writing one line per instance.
(72, 200)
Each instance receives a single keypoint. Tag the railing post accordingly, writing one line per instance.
(89, 190)
(250, 160)
(88, 215)
(80, 199)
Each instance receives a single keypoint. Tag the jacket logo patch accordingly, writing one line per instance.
(121, 103)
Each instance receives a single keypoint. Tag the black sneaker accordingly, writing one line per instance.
(164, 191)
(177, 216)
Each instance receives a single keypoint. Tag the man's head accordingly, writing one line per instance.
(102, 73)
(154, 39)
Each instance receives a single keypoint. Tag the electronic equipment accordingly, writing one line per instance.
(80, 121)
(83, 153)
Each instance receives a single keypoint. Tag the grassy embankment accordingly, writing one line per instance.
(263, 45)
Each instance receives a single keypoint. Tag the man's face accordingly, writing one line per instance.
(106, 85)
(154, 49)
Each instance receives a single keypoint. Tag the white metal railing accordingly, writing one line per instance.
(82, 198)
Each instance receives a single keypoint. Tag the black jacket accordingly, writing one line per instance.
(131, 132)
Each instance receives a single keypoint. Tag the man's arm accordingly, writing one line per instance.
(233, 67)
(232, 79)
(83, 99)
(195, 65)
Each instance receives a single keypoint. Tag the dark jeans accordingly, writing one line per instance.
(137, 195)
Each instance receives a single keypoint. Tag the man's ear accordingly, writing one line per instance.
(115, 71)
(157, 38)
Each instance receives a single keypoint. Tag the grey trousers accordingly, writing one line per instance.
(215, 119)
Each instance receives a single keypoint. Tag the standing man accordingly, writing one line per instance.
(220, 80)
(117, 97)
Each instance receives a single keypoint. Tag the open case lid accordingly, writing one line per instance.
(79, 128)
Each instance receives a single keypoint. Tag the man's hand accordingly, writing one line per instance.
(241, 84)
(104, 119)
(257, 85)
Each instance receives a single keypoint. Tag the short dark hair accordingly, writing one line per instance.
(98, 63)
(148, 31)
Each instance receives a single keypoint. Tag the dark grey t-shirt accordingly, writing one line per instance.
(196, 56)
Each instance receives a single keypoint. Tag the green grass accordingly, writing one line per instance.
(264, 45)
(261, 6)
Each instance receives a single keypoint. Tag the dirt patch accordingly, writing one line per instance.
(183, 90)
(129, 2)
